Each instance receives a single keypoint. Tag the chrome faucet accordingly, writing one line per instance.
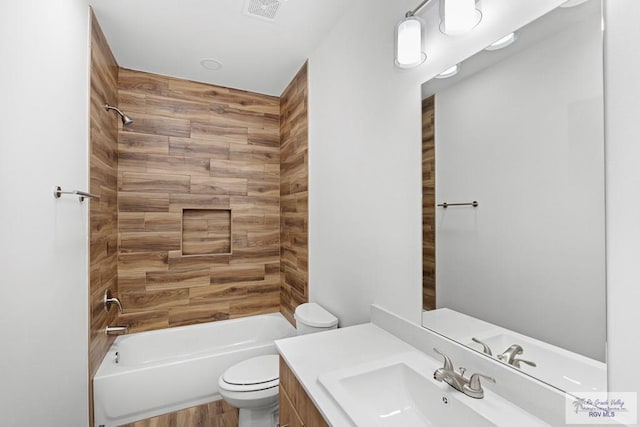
(470, 386)
(485, 348)
(510, 356)
(474, 388)
(448, 374)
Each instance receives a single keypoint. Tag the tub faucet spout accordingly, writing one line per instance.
(116, 330)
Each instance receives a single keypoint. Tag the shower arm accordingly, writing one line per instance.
(126, 121)
(116, 109)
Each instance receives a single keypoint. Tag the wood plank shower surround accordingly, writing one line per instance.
(428, 205)
(294, 195)
(212, 153)
(103, 163)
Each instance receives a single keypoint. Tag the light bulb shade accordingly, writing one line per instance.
(409, 52)
(458, 16)
(503, 42)
(449, 72)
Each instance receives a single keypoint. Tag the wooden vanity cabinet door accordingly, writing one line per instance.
(288, 415)
(301, 404)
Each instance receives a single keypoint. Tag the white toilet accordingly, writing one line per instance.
(311, 317)
(252, 385)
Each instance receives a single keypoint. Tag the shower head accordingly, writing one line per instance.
(126, 121)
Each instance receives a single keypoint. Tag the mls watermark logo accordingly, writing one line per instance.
(601, 408)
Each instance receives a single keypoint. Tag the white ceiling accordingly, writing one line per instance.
(171, 37)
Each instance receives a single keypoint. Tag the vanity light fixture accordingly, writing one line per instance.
(502, 42)
(449, 72)
(409, 51)
(458, 16)
(409, 46)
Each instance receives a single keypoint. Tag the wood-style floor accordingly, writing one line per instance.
(214, 414)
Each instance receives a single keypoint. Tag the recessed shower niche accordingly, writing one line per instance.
(206, 231)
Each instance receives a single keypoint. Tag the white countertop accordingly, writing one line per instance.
(313, 354)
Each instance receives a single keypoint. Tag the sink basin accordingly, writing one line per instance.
(565, 369)
(401, 391)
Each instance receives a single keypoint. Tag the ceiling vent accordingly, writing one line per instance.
(263, 9)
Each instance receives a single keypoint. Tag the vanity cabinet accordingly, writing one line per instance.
(296, 407)
(289, 417)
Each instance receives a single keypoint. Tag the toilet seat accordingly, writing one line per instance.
(255, 374)
(245, 388)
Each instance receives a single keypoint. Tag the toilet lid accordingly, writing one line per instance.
(311, 314)
(257, 370)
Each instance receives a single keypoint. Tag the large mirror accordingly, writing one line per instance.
(513, 200)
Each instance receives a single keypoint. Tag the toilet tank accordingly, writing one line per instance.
(311, 317)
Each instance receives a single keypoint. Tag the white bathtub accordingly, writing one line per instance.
(167, 370)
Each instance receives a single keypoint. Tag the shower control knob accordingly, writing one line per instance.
(108, 300)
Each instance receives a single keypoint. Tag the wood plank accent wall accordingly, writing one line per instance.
(206, 231)
(428, 205)
(294, 172)
(196, 146)
(103, 233)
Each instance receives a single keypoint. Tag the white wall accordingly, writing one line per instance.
(365, 223)
(363, 170)
(525, 137)
(43, 255)
(364, 165)
(622, 113)
(365, 154)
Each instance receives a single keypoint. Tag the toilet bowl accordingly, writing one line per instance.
(252, 385)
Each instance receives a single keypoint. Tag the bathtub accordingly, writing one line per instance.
(148, 374)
